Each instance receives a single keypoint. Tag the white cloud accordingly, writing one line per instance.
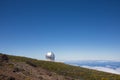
(105, 69)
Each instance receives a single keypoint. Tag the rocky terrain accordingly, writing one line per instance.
(10, 70)
(22, 68)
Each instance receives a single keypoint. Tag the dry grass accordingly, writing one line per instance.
(67, 70)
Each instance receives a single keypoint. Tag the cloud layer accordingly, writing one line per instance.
(105, 69)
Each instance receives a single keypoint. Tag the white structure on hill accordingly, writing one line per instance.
(50, 56)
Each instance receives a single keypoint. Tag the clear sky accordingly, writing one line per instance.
(72, 29)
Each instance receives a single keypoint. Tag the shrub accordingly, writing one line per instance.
(16, 69)
(11, 78)
(31, 64)
(4, 58)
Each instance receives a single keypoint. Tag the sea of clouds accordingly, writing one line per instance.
(105, 66)
(104, 69)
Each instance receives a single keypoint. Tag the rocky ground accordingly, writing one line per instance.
(23, 68)
(25, 71)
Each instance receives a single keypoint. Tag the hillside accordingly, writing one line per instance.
(22, 68)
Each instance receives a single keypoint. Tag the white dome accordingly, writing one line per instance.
(50, 56)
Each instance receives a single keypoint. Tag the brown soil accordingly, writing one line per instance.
(22, 71)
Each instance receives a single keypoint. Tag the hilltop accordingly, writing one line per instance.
(23, 68)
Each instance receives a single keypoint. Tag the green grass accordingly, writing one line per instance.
(68, 70)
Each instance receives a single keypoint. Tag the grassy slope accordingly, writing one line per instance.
(68, 70)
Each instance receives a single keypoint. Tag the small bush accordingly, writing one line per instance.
(1, 64)
(16, 69)
(31, 64)
(11, 78)
(41, 78)
(2, 77)
(10, 65)
(4, 58)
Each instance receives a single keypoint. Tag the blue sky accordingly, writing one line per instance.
(72, 29)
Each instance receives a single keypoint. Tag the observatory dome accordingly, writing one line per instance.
(50, 56)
